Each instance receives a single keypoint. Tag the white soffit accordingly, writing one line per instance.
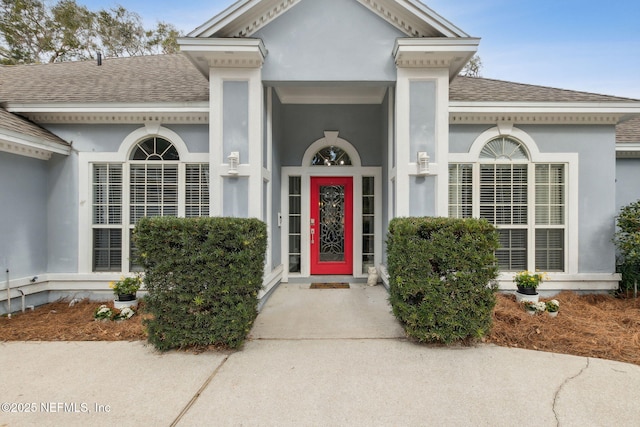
(331, 94)
(245, 17)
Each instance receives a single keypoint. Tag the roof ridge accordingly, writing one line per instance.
(85, 61)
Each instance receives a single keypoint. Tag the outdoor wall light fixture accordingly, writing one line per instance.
(423, 163)
(234, 161)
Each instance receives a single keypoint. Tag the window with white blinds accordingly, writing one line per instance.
(461, 191)
(525, 201)
(550, 216)
(107, 213)
(152, 183)
(197, 190)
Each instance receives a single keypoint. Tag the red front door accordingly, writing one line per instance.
(331, 225)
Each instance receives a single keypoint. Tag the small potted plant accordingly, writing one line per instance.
(125, 290)
(102, 313)
(527, 283)
(533, 307)
(552, 307)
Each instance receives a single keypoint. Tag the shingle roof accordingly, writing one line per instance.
(628, 131)
(143, 79)
(14, 123)
(487, 90)
(172, 78)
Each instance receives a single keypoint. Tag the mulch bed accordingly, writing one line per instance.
(589, 325)
(593, 325)
(60, 322)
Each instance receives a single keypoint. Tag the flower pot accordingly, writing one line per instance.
(122, 304)
(126, 297)
(531, 312)
(524, 297)
(527, 291)
(125, 300)
(552, 313)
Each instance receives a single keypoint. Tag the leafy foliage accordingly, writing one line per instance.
(203, 276)
(441, 273)
(31, 31)
(627, 239)
(473, 67)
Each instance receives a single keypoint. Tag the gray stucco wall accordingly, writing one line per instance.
(23, 229)
(358, 124)
(62, 211)
(329, 40)
(627, 182)
(595, 146)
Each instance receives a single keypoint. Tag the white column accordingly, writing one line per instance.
(248, 139)
(418, 194)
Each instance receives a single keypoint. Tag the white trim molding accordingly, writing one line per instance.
(584, 113)
(305, 172)
(28, 146)
(628, 150)
(246, 17)
(451, 54)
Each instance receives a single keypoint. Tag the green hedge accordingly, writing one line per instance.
(442, 272)
(627, 240)
(203, 276)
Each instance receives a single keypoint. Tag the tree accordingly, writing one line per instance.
(31, 31)
(473, 67)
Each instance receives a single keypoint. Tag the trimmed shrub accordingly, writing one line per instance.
(442, 273)
(203, 276)
(627, 240)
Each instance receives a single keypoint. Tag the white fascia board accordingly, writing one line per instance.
(222, 45)
(628, 150)
(30, 146)
(621, 109)
(114, 113)
(222, 19)
(432, 18)
(438, 45)
(195, 107)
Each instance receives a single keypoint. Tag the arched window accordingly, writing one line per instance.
(503, 149)
(152, 181)
(157, 149)
(525, 200)
(331, 156)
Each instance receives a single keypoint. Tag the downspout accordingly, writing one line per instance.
(8, 296)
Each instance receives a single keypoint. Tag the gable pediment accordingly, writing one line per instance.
(245, 17)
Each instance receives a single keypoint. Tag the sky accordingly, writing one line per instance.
(585, 45)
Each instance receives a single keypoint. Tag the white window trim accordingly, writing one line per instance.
(85, 164)
(571, 160)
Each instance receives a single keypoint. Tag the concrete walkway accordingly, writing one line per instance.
(316, 358)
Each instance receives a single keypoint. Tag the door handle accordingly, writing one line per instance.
(313, 232)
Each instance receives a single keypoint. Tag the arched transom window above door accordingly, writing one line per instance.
(331, 156)
(331, 151)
